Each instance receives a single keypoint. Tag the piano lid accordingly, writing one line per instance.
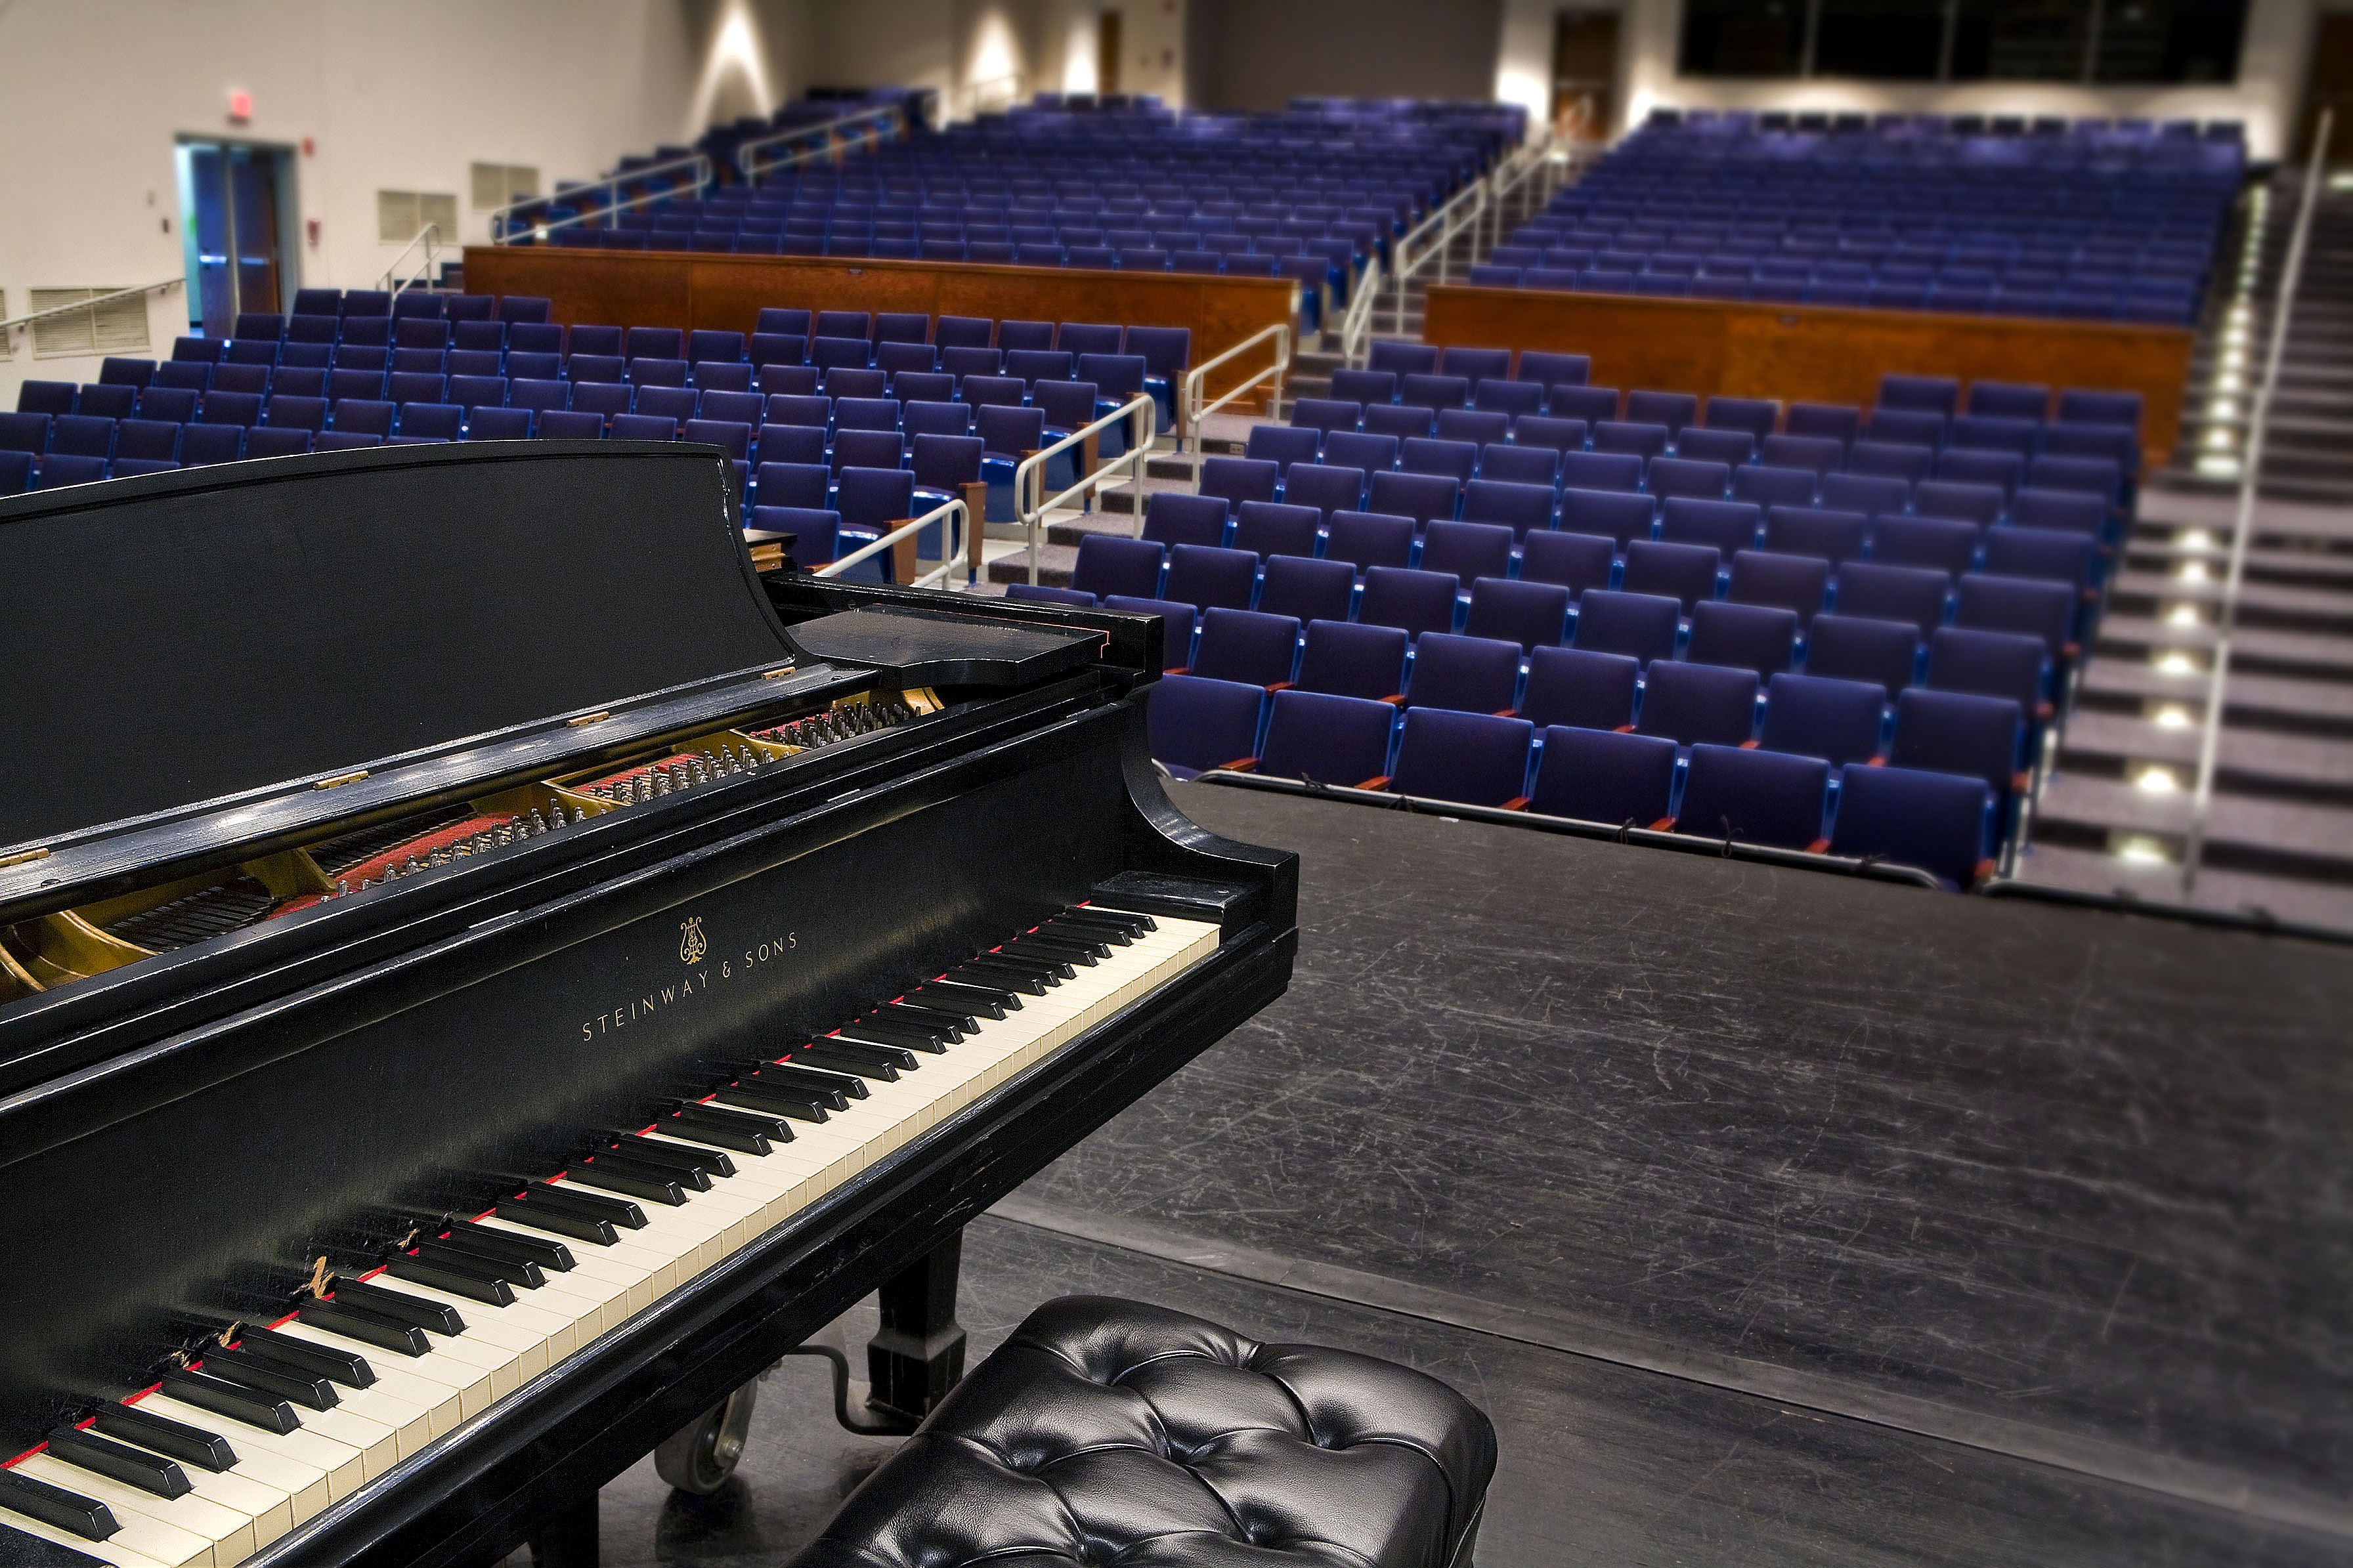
(184, 637)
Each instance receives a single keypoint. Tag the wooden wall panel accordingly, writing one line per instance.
(680, 289)
(1817, 353)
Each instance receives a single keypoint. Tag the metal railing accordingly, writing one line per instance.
(1190, 408)
(1029, 475)
(1461, 213)
(506, 230)
(1526, 161)
(1356, 325)
(826, 135)
(429, 237)
(14, 323)
(2242, 525)
(953, 547)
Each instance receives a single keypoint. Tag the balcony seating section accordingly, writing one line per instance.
(2088, 219)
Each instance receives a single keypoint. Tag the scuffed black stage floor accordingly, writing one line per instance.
(1766, 1230)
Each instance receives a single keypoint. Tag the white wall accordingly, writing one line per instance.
(2265, 97)
(400, 98)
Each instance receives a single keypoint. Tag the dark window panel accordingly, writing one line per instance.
(1743, 38)
(2171, 40)
(1885, 40)
(2022, 40)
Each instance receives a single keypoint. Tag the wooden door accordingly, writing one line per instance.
(1107, 52)
(1584, 75)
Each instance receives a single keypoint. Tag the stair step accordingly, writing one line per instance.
(1055, 564)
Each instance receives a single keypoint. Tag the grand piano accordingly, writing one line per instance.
(483, 972)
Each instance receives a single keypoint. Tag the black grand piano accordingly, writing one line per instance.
(483, 972)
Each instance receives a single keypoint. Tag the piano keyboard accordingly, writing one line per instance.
(243, 1443)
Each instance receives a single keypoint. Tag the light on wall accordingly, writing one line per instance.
(735, 47)
(995, 53)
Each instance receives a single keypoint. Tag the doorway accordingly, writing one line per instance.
(1107, 52)
(236, 214)
(2329, 85)
(1584, 75)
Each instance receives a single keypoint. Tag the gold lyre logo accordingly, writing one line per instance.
(692, 943)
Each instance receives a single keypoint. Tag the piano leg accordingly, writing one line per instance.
(566, 1540)
(919, 1354)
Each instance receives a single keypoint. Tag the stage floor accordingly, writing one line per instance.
(1773, 1217)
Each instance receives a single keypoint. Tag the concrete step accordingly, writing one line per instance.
(2319, 607)
(2277, 703)
(2260, 649)
(1075, 527)
(2315, 903)
(2254, 832)
(1055, 562)
(2314, 768)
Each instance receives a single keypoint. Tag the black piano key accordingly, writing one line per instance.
(119, 1461)
(497, 1243)
(892, 1032)
(672, 1156)
(290, 1383)
(981, 1001)
(987, 974)
(1068, 925)
(56, 1507)
(615, 1161)
(443, 1273)
(614, 1178)
(800, 1104)
(832, 1090)
(520, 1271)
(358, 1323)
(880, 1053)
(838, 1061)
(619, 1212)
(230, 1400)
(953, 1025)
(1117, 920)
(417, 1311)
(1052, 966)
(1095, 944)
(1046, 949)
(21, 1550)
(189, 1444)
(742, 1131)
(330, 1362)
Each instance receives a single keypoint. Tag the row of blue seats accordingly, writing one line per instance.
(1640, 622)
(2169, 302)
(1689, 701)
(1804, 561)
(1937, 822)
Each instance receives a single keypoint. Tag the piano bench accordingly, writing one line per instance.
(1109, 1431)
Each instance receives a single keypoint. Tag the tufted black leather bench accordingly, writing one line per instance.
(1109, 1432)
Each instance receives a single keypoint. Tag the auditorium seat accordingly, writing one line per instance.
(2063, 511)
(1620, 516)
(2040, 552)
(1594, 775)
(1368, 453)
(1476, 675)
(1727, 527)
(1171, 519)
(1641, 625)
(1246, 645)
(1176, 623)
(1468, 551)
(1307, 590)
(1613, 472)
(1593, 404)
(1108, 564)
(1472, 759)
(1347, 658)
(1367, 539)
(1914, 594)
(1197, 724)
(1537, 466)
(1935, 822)
(1210, 575)
(1835, 422)
(1851, 648)
(1326, 739)
(1531, 614)
(1455, 461)
(1759, 637)
(1754, 797)
(1685, 573)
(1687, 703)
(1940, 544)
(1822, 716)
(1414, 601)
(1959, 732)
(1575, 560)
(1992, 663)
(2037, 608)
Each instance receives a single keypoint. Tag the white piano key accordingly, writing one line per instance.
(196, 1529)
(344, 1467)
(111, 1550)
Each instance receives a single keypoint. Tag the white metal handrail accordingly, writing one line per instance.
(1526, 163)
(1357, 326)
(952, 559)
(747, 162)
(1192, 410)
(430, 237)
(1012, 81)
(43, 315)
(1464, 212)
(1030, 473)
(2242, 525)
(504, 232)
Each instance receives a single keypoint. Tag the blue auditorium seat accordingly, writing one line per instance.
(1208, 576)
(1476, 675)
(1304, 589)
(1961, 733)
(1821, 716)
(1246, 645)
(1348, 659)
(1594, 775)
(1640, 626)
(1197, 724)
(1472, 759)
(1754, 797)
(1328, 739)
(1935, 822)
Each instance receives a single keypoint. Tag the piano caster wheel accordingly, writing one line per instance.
(700, 1457)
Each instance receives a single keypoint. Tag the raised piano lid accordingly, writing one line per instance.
(188, 637)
